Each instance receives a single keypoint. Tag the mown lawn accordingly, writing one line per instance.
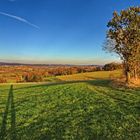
(72, 111)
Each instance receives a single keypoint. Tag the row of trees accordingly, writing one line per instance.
(112, 66)
(72, 70)
(123, 38)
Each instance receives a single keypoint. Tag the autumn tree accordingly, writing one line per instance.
(123, 38)
(112, 66)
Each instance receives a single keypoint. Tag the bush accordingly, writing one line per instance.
(32, 77)
(3, 80)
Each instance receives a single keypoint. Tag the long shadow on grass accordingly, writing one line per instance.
(98, 81)
(10, 108)
(116, 94)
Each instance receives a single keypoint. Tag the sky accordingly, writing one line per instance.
(57, 31)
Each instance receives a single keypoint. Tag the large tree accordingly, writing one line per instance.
(123, 38)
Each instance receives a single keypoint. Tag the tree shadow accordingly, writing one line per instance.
(120, 96)
(57, 83)
(10, 108)
(100, 82)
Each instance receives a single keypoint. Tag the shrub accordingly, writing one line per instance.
(3, 80)
(32, 77)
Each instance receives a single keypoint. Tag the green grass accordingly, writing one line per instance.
(89, 110)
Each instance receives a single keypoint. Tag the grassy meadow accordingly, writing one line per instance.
(91, 75)
(75, 110)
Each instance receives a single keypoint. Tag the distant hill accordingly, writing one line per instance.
(24, 64)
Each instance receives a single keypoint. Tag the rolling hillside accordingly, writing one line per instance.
(69, 111)
(91, 75)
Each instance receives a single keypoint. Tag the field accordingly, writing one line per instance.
(70, 110)
(91, 75)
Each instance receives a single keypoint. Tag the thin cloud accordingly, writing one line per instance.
(12, 0)
(19, 19)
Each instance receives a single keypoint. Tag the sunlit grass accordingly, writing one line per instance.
(92, 75)
(82, 110)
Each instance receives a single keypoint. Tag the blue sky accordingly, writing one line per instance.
(56, 31)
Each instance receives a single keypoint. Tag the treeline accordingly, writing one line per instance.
(40, 73)
(112, 66)
(72, 70)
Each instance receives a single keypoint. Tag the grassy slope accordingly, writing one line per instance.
(91, 75)
(82, 110)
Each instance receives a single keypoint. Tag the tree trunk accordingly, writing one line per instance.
(127, 72)
(127, 77)
(135, 74)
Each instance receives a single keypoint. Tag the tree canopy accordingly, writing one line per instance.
(123, 38)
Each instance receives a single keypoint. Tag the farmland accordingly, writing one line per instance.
(19, 73)
(70, 111)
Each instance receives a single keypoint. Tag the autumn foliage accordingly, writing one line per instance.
(23, 73)
(123, 38)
